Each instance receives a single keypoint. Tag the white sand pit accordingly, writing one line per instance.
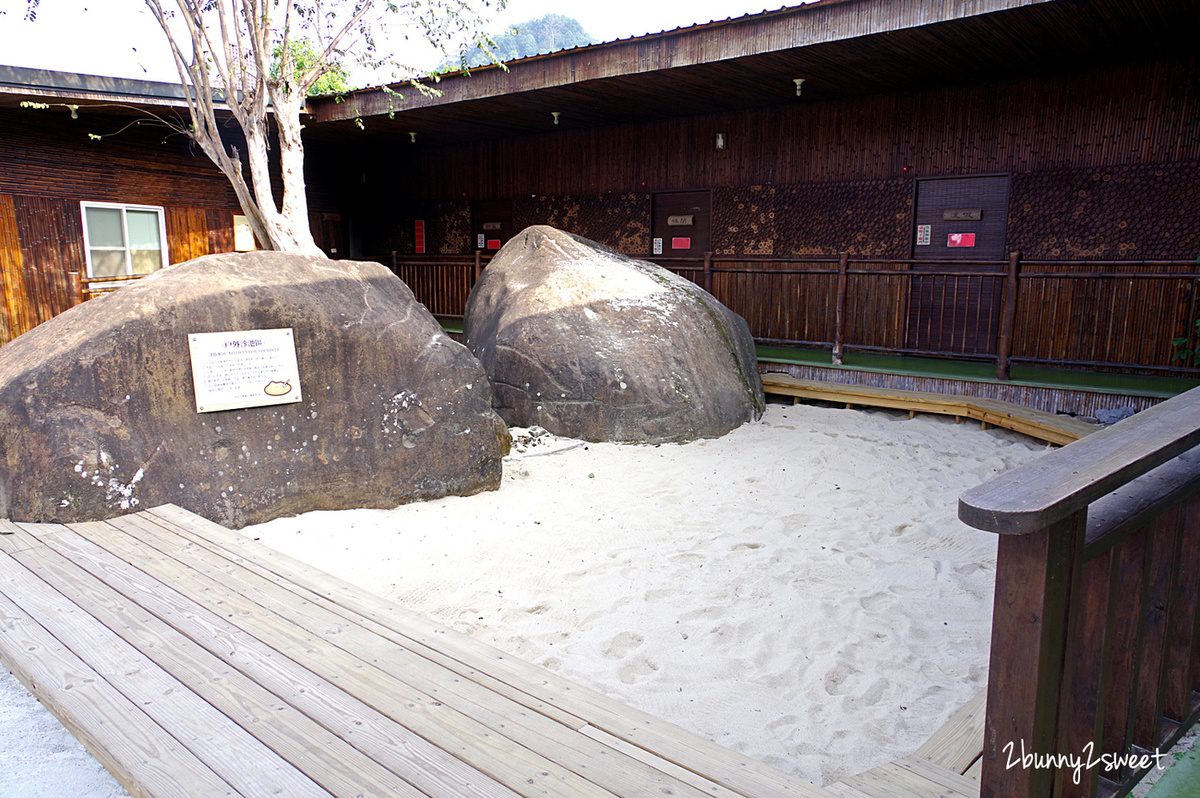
(799, 590)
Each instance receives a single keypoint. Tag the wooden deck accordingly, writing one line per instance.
(192, 661)
(989, 412)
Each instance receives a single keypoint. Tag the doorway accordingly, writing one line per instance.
(681, 224)
(491, 224)
(960, 225)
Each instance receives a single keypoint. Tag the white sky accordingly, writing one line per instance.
(119, 38)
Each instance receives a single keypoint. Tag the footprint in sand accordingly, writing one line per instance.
(636, 669)
(620, 646)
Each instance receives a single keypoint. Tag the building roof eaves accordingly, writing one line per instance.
(785, 28)
(49, 84)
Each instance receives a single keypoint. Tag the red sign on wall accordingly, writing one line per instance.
(493, 243)
(681, 243)
(961, 240)
(420, 236)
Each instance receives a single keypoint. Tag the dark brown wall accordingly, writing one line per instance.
(815, 179)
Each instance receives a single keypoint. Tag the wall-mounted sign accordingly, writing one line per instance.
(681, 243)
(924, 234)
(480, 241)
(961, 240)
(243, 236)
(250, 368)
(683, 220)
(419, 236)
(657, 246)
(962, 215)
(491, 225)
(493, 243)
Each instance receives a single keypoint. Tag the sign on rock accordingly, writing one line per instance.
(249, 368)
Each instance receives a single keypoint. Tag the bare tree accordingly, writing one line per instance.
(242, 52)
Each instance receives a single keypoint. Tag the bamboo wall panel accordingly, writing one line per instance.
(51, 235)
(620, 220)
(193, 232)
(16, 312)
(1138, 114)
(877, 310)
(46, 153)
(1105, 320)
(1127, 211)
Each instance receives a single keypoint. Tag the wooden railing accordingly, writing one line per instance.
(1095, 653)
(1092, 314)
(88, 287)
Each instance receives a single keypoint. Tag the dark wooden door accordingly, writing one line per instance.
(331, 235)
(682, 224)
(960, 223)
(491, 224)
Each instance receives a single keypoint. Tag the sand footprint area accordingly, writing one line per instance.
(799, 590)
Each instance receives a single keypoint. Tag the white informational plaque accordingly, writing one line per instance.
(250, 368)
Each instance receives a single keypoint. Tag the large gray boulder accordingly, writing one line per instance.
(98, 416)
(591, 344)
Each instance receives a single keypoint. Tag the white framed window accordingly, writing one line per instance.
(123, 240)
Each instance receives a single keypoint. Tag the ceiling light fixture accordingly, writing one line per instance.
(555, 114)
(799, 82)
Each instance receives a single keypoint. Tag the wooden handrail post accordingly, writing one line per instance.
(708, 272)
(1008, 314)
(839, 314)
(478, 265)
(1037, 577)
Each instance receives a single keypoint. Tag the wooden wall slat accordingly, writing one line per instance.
(18, 317)
(1025, 125)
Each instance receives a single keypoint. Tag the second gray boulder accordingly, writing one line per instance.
(591, 344)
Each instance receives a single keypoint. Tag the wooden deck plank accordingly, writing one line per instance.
(213, 738)
(330, 688)
(690, 752)
(147, 760)
(652, 759)
(333, 594)
(13, 538)
(522, 770)
(959, 743)
(363, 727)
(239, 590)
(1028, 421)
(913, 777)
(324, 757)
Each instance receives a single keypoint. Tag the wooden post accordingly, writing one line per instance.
(1008, 313)
(708, 272)
(478, 265)
(839, 315)
(80, 290)
(1036, 576)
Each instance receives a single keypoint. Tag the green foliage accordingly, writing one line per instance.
(547, 34)
(1187, 347)
(335, 80)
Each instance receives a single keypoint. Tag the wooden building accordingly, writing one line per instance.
(929, 142)
(1012, 183)
(95, 184)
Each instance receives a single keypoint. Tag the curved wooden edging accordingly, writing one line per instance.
(1048, 427)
